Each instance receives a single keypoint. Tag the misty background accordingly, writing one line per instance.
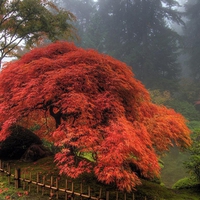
(155, 38)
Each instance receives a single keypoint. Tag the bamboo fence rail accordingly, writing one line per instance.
(68, 192)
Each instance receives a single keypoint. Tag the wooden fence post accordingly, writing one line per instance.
(29, 183)
(17, 178)
(100, 192)
(81, 190)
(125, 196)
(89, 191)
(117, 195)
(51, 190)
(8, 172)
(66, 187)
(43, 185)
(1, 167)
(133, 196)
(37, 181)
(24, 181)
(57, 188)
(107, 195)
(72, 196)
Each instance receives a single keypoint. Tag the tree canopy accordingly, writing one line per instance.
(31, 21)
(89, 104)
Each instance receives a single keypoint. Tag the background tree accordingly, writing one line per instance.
(192, 45)
(193, 163)
(192, 37)
(89, 24)
(21, 21)
(98, 109)
(137, 32)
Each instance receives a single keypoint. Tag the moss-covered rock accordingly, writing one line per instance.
(17, 143)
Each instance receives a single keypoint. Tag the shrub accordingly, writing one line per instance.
(185, 183)
(188, 110)
(17, 143)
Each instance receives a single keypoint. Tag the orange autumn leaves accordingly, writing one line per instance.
(91, 106)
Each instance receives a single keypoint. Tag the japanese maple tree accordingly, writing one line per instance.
(90, 105)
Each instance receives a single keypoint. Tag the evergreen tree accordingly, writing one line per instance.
(95, 35)
(137, 32)
(140, 35)
(192, 46)
(193, 38)
(84, 10)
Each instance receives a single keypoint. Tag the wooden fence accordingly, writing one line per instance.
(53, 189)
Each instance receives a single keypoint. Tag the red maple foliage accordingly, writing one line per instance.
(90, 105)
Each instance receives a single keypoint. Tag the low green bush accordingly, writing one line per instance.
(185, 183)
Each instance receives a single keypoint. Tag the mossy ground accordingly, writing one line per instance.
(148, 190)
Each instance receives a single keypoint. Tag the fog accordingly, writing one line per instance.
(136, 33)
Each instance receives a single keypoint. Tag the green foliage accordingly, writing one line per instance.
(188, 110)
(21, 21)
(50, 146)
(193, 164)
(195, 127)
(185, 183)
(160, 97)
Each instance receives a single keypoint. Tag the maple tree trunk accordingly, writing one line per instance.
(56, 116)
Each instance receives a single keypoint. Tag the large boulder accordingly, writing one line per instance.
(17, 143)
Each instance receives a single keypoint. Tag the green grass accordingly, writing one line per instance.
(29, 171)
(46, 166)
(174, 168)
(155, 191)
